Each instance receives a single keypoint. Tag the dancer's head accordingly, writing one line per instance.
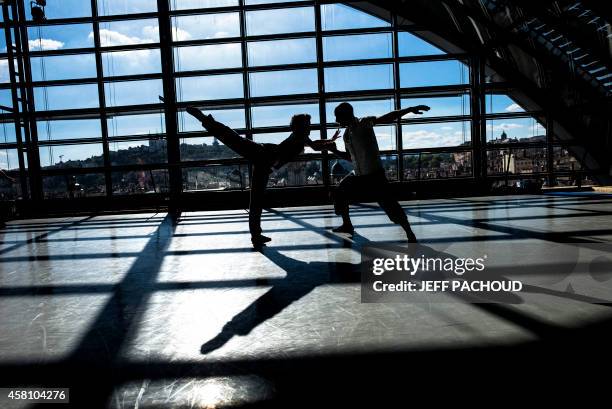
(300, 124)
(344, 114)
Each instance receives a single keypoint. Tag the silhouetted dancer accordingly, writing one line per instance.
(368, 175)
(263, 157)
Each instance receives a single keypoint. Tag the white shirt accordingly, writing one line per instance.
(361, 144)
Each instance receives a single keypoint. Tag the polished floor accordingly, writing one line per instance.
(136, 310)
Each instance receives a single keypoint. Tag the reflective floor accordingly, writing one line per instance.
(134, 310)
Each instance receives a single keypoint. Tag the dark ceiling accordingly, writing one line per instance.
(556, 53)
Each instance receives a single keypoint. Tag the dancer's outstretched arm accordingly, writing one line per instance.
(395, 115)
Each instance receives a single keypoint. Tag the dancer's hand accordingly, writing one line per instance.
(336, 134)
(323, 144)
(419, 109)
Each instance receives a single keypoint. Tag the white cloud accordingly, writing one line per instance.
(4, 71)
(181, 35)
(424, 138)
(206, 26)
(151, 33)
(447, 128)
(128, 62)
(110, 38)
(514, 108)
(221, 34)
(45, 44)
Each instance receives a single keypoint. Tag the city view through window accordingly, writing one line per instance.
(98, 87)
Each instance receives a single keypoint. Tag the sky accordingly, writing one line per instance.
(225, 25)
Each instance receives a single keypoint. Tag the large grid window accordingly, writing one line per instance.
(98, 78)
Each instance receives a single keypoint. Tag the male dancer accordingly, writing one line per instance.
(263, 157)
(368, 174)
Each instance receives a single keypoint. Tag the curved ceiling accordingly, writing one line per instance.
(556, 55)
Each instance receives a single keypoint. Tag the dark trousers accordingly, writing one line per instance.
(373, 186)
(261, 158)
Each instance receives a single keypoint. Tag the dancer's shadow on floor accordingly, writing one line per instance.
(301, 278)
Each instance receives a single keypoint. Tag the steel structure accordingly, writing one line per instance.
(25, 112)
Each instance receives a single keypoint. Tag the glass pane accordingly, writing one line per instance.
(278, 21)
(564, 160)
(356, 47)
(516, 161)
(216, 178)
(362, 108)
(499, 103)
(293, 51)
(411, 166)
(364, 77)
(7, 132)
(66, 36)
(6, 99)
(145, 124)
(10, 189)
(62, 67)
(204, 148)
(9, 159)
(435, 135)
(297, 174)
(111, 7)
(207, 57)
(440, 106)
(5, 77)
(419, 74)
(511, 130)
(113, 33)
(133, 92)
(71, 156)
(341, 17)
(66, 97)
(119, 63)
(389, 163)
(209, 87)
(74, 186)
(283, 82)
(445, 165)
(141, 152)
(201, 4)
(69, 129)
(410, 45)
(58, 9)
(234, 118)
(205, 26)
(140, 182)
(386, 137)
(280, 115)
